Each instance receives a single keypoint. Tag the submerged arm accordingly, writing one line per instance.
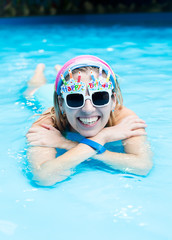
(137, 158)
(48, 170)
(44, 139)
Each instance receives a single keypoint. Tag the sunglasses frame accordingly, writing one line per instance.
(109, 91)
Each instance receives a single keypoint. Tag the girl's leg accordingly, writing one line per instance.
(36, 81)
(57, 67)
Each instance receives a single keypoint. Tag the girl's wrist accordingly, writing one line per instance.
(99, 138)
(68, 144)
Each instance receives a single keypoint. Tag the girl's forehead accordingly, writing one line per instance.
(80, 81)
(85, 75)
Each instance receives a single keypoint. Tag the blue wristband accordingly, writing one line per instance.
(98, 147)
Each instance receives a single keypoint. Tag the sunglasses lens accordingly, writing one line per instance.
(75, 100)
(100, 98)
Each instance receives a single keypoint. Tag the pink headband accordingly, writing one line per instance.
(82, 61)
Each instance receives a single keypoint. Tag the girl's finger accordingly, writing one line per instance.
(46, 126)
(33, 137)
(49, 127)
(140, 120)
(135, 126)
(34, 143)
(136, 120)
(33, 129)
(131, 119)
(30, 135)
(138, 132)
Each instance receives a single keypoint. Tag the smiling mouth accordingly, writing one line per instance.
(88, 121)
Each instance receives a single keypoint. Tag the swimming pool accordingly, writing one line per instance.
(93, 204)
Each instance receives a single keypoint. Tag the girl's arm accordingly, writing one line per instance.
(48, 170)
(43, 140)
(137, 158)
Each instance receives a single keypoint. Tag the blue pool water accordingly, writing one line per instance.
(93, 204)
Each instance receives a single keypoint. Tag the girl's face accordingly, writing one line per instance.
(88, 120)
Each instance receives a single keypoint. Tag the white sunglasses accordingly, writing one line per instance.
(98, 98)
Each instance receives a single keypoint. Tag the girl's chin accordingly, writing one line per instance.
(88, 133)
(88, 130)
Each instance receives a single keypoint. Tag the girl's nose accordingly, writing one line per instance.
(88, 107)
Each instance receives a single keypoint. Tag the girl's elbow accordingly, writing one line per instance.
(43, 182)
(142, 166)
(148, 168)
(46, 180)
(145, 167)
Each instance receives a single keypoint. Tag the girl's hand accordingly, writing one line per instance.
(45, 136)
(130, 126)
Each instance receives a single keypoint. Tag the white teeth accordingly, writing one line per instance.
(88, 121)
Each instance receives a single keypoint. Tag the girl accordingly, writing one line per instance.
(87, 101)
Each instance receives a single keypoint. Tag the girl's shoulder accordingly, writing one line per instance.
(47, 117)
(122, 113)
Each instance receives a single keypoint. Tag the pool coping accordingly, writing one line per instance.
(124, 19)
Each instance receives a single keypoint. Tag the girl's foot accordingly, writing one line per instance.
(57, 67)
(38, 78)
(36, 81)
